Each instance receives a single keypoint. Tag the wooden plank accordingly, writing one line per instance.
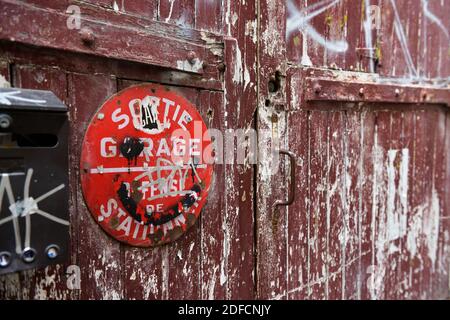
(383, 175)
(353, 155)
(431, 202)
(171, 52)
(443, 267)
(88, 64)
(272, 223)
(407, 242)
(298, 212)
(365, 91)
(336, 207)
(212, 239)
(417, 203)
(367, 219)
(98, 255)
(318, 176)
(240, 102)
(439, 286)
(396, 211)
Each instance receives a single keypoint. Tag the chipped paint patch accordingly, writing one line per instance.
(185, 65)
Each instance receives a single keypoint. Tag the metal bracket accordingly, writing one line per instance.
(291, 195)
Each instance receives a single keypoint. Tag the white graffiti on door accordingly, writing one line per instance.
(299, 20)
(25, 208)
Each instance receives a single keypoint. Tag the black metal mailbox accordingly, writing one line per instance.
(34, 215)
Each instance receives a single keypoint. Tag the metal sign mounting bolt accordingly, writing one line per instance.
(52, 251)
(191, 57)
(87, 36)
(317, 88)
(29, 255)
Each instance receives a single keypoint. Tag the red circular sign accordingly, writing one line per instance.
(146, 165)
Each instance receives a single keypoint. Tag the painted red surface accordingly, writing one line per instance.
(147, 149)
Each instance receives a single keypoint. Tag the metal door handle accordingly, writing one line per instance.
(291, 195)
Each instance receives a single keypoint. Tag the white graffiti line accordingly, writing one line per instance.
(368, 34)
(336, 45)
(434, 18)
(299, 20)
(102, 170)
(5, 98)
(51, 192)
(403, 42)
(13, 174)
(298, 17)
(170, 10)
(25, 208)
(52, 217)
(5, 185)
(26, 195)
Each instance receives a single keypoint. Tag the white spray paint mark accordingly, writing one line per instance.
(431, 226)
(115, 6)
(188, 66)
(306, 60)
(3, 82)
(238, 74)
(403, 42)
(5, 98)
(299, 20)
(170, 10)
(434, 18)
(368, 34)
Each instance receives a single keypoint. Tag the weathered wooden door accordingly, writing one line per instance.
(85, 51)
(338, 83)
(358, 90)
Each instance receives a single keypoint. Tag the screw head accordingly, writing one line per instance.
(5, 259)
(87, 36)
(221, 67)
(361, 91)
(191, 57)
(101, 116)
(317, 88)
(5, 121)
(29, 255)
(52, 251)
(397, 92)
